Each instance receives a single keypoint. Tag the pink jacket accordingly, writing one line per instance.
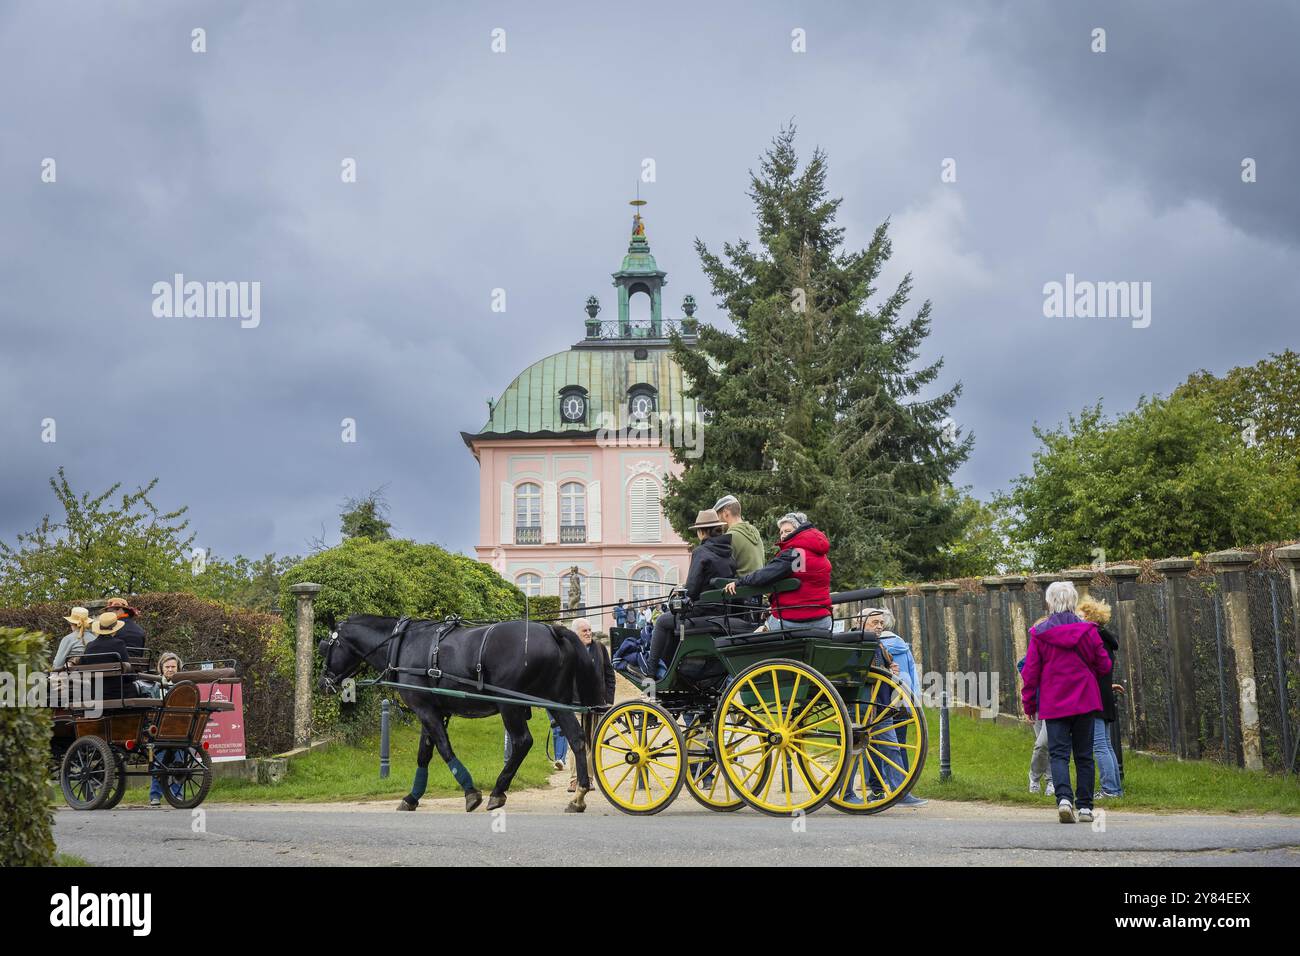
(1061, 671)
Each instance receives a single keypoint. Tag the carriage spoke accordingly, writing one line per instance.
(752, 716)
(762, 703)
(821, 692)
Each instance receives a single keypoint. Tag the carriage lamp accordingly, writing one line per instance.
(130, 745)
(206, 745)
(153, 730)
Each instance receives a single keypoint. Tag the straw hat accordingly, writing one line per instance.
(707, 519)
(79, 618)
(107, 624)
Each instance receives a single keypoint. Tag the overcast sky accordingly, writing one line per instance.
(479, 170)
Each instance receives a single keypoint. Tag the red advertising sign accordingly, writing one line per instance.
(224, 733)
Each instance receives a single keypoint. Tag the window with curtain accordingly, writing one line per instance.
(646, 584)
(529, 583)
(528, 513)
(644, 510)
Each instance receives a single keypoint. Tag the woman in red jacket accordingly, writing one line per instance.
(801, 553)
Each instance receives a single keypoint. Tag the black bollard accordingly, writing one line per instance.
(945, 739)
(383, 738)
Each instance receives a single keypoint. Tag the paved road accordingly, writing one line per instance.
(532, 832)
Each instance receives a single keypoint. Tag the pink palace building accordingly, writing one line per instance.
(573, 458)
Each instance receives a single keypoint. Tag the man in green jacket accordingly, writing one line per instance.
(746, 543)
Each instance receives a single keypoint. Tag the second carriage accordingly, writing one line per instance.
(784, 722)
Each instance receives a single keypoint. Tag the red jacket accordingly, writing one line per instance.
(802, 556)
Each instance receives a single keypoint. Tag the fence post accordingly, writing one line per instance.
(1125, 577)
(1081, 578)
(1290, 559)
(383, 738)
(1230, 567)
(948, 598)
(913, 604)
(1015, 585)
(1181, 660)
(932, 620)
(305, 595)
(993, 639)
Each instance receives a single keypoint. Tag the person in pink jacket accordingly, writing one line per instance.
(1065, 657)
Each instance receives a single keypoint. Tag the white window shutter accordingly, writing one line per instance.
(550, 513)
(506, 533)
(593, 512)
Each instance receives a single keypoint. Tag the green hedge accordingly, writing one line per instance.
(26, 820)
(391, 578)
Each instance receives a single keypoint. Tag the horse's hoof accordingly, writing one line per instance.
(408, 804)
(472, 799)
(575, 807)
(497, 801)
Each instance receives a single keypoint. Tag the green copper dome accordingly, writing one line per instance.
(530, 406)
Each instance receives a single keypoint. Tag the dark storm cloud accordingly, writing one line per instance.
(481, 171)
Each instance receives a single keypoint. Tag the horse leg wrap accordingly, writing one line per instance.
(461, 774)
(419, 784)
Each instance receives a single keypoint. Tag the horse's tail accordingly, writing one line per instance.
(586, 678)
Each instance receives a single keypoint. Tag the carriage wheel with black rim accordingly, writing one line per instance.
(884, 707)
(119, 789)
(192, 773)
(638, 757)
(783, 733)
(88, 774)
(704, 779)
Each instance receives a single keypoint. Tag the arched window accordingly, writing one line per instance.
(644, 511)
(528, 513)
(646, 584)
(564, 590)
(529, 583)
(573, 513)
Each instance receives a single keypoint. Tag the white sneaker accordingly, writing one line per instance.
(1065, 812)
(1085, 814)
(558, 764)
(1033, 784)
(1051, 789)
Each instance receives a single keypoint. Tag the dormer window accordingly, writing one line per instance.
(641, 403)
(573, 404)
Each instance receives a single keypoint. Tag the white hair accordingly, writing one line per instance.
(885, 614)
(1061, 596)
(580, 620)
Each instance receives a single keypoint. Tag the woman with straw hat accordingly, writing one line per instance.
(74, 642)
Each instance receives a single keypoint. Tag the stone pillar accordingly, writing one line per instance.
(1186, 729)
(1081, 578)
(1290, 559)
(305, 594)
(1042, 580)
(1230, 566)
(934, 659)
(1015, 585)
(971, 660)
(948, 598)
(993, 640)
(1130, 674)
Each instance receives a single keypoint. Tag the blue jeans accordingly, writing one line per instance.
(1107, 764)
(561, 744)
(776, 624)
(161, 759)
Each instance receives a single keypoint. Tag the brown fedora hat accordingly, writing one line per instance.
(707, 519)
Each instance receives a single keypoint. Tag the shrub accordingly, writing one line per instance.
(26, 821)
(390, 578)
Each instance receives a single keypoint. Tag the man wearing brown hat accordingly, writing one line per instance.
(132, 633)
(711, 559)
(105, 648)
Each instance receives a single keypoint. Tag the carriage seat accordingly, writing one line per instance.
(795, 633)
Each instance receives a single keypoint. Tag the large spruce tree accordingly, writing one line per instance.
(812, 403)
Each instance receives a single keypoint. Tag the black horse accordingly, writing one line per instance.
(543, 661)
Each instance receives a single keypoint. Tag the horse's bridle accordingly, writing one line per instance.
(324, 646)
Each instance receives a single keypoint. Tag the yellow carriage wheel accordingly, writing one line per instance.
(704, 779)
(783, 737)
(889, 726)
(638, 757)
